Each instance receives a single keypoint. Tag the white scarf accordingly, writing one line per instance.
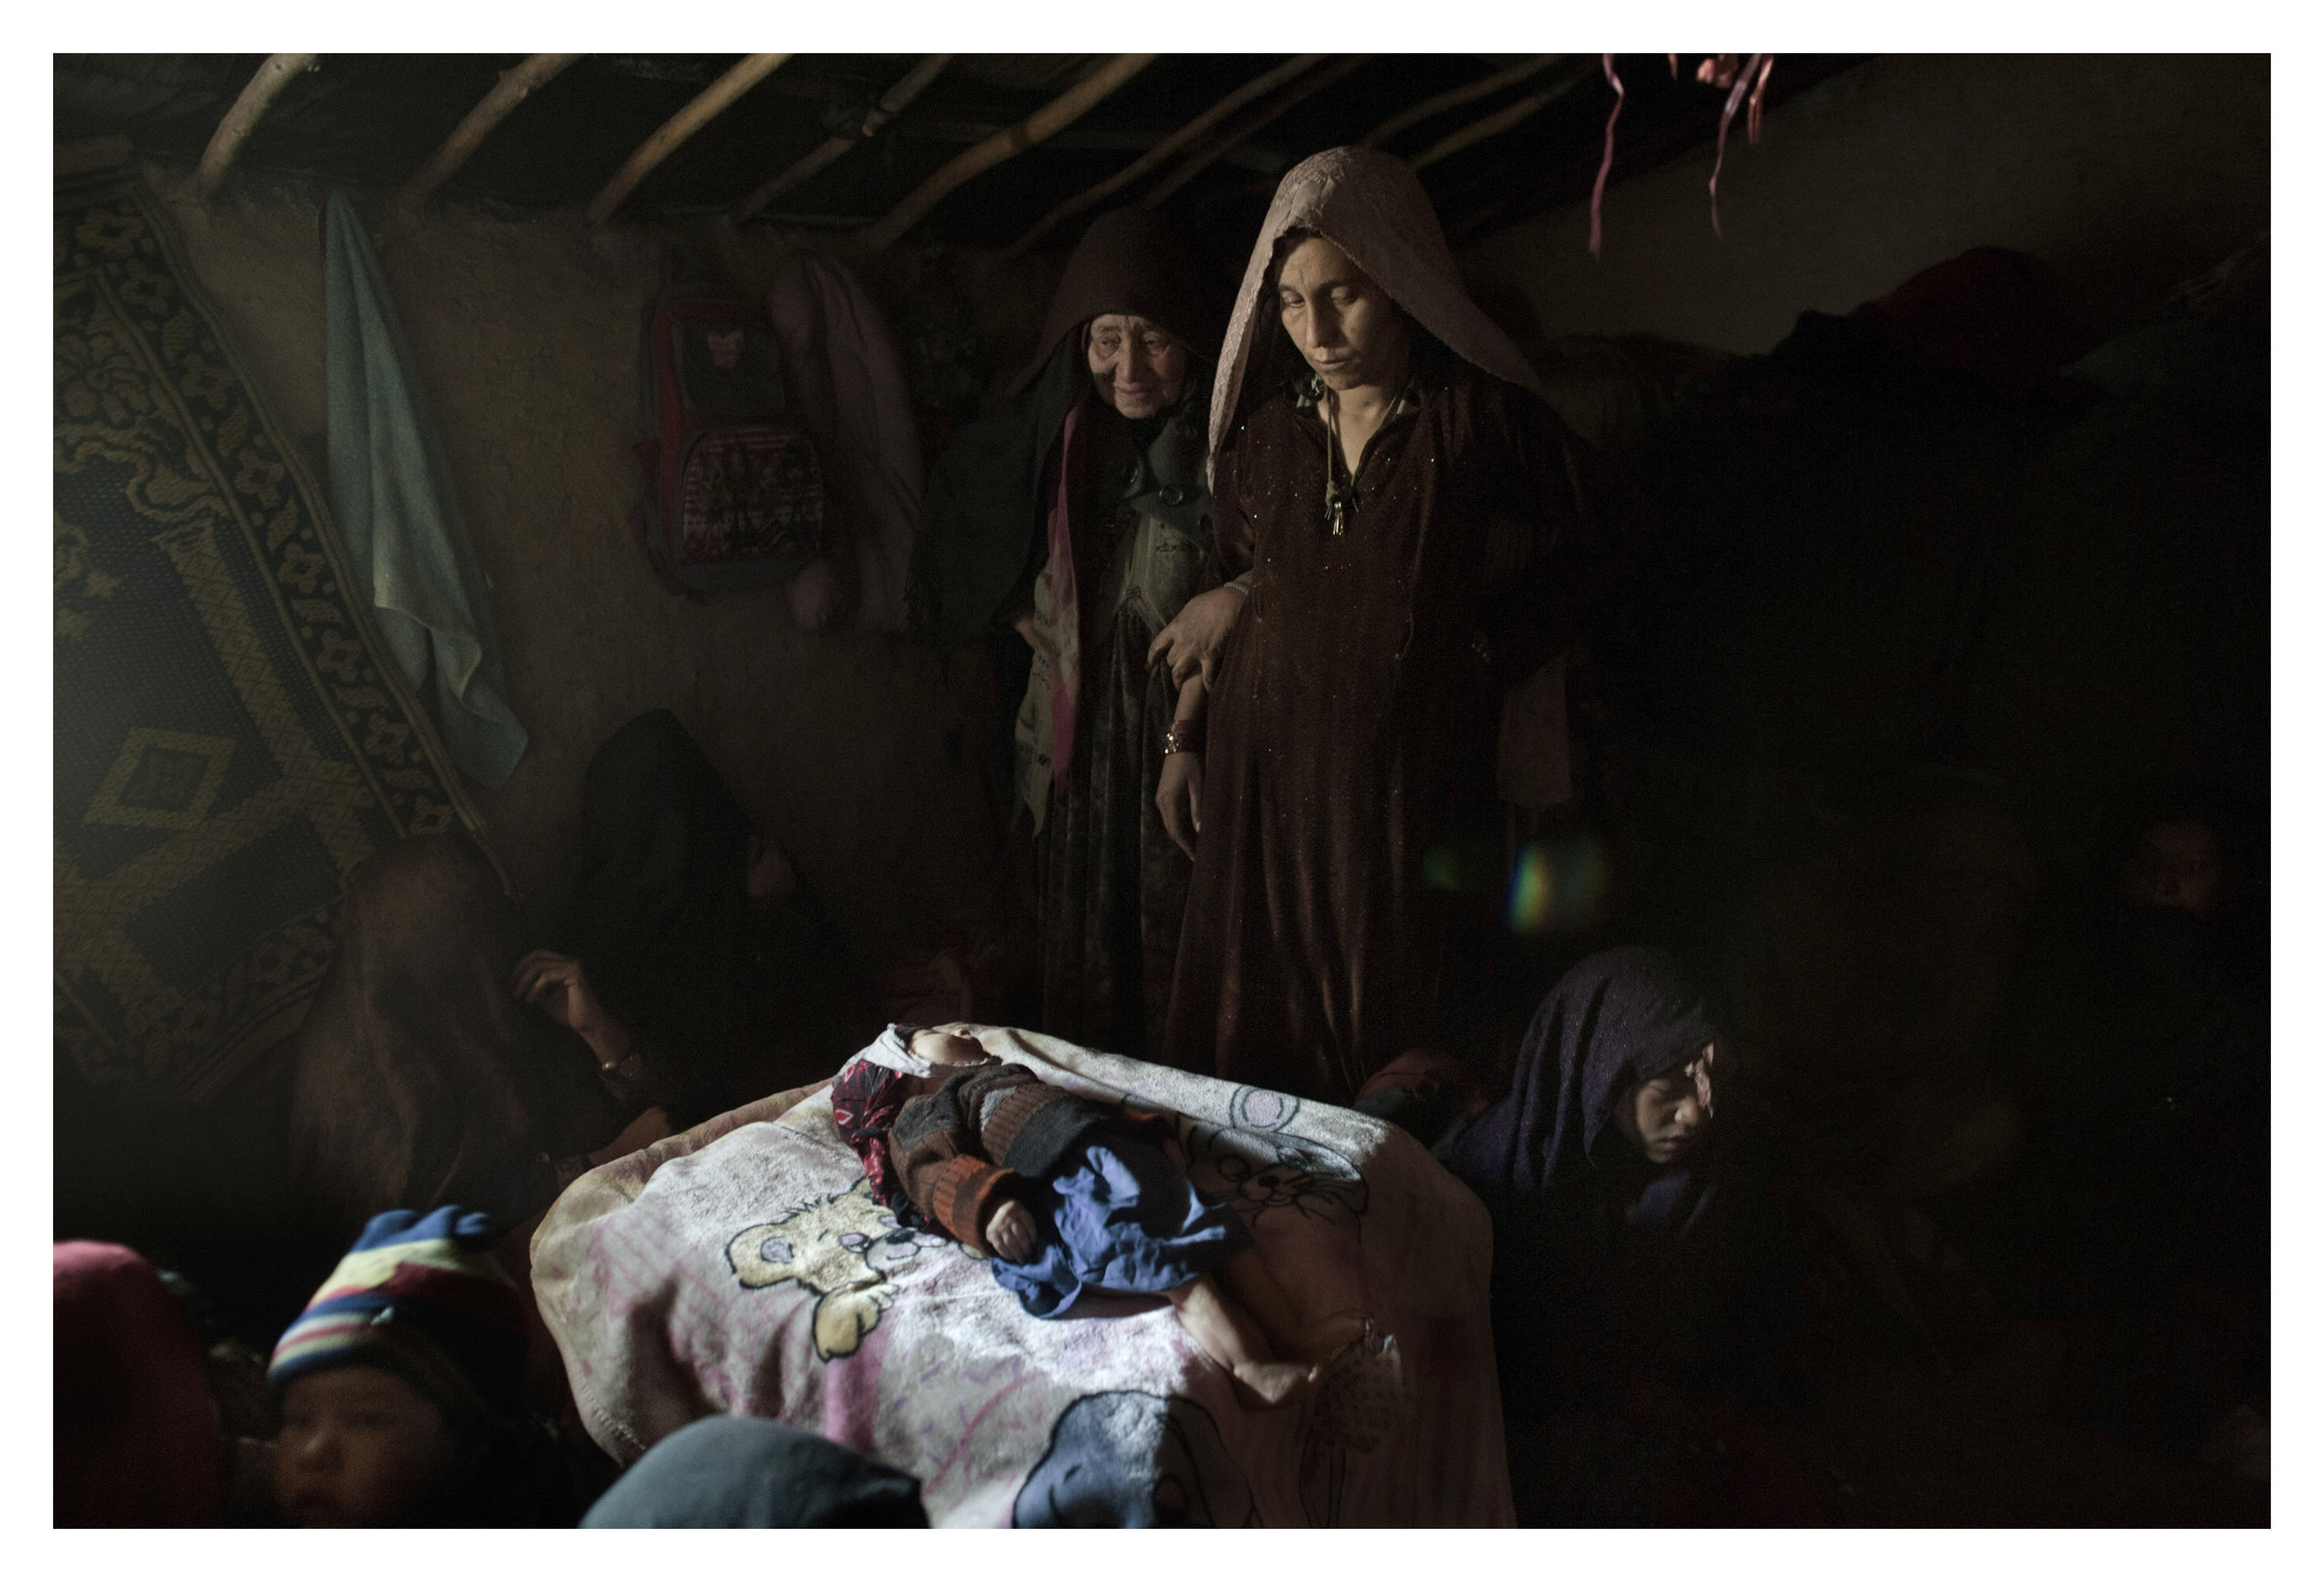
(891, 1051)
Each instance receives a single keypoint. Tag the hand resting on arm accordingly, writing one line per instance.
(1195, 635)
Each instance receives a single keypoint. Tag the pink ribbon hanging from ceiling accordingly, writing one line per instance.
(1716, 70)
(1605, 165)
(1758, 67)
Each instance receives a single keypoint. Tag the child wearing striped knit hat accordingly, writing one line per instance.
(401, 1389)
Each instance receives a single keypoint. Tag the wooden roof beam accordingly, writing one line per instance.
(1266, 82)
(907, 88)
(739, 80)
(1500, 121)
(265, 86)
(1248, 126)
(516, 85)
(965, 167)
(1452, 98)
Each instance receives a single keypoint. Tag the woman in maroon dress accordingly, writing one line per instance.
(1389, 486)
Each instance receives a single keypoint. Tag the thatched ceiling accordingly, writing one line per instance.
(372, 120)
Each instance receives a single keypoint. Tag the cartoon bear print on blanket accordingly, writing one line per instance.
(845, 1249)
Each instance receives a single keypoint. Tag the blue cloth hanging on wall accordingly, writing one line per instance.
(399, 515)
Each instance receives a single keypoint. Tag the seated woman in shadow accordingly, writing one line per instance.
(2140, 1042)
(1632, 1233)
(696, 968)
(448, 1058)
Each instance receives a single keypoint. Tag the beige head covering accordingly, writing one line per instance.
(1372, 207)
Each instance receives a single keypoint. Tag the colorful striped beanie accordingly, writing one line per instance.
(418, 1296)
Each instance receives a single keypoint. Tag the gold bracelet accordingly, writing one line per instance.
(1182, 736)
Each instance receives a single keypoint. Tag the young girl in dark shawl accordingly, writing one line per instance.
(1077, 516)
(1628, 1233)
(1390, 485)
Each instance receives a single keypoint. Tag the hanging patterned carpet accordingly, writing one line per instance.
(229, 742)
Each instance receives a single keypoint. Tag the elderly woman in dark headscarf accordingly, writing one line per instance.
(1078, 515)
(1391, 486)
(1626, 1229)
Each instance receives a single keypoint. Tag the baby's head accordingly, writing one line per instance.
(943, 1048)
(1666, 1116)
(412, 1353)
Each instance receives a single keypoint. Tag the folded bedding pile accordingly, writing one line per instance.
(745, 1267)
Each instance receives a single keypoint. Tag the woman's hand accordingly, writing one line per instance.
(1030, 629)
(1010, 1232)
(1193, 639)
(813, 595)
(1180, 797)
(560, 986)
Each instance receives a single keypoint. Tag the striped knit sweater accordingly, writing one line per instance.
(979, 1134)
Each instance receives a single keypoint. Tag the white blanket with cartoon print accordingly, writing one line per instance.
(743, 1267)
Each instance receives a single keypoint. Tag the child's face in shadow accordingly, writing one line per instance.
(1665, 1117)
(2177, 863)
(358, 1444)
(947, 1049)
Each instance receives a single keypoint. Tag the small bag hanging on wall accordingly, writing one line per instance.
(734, 489)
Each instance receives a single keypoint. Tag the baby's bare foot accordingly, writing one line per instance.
(1328, 1338)
(1263, 1387)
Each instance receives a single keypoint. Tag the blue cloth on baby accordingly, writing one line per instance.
(1119, 1218)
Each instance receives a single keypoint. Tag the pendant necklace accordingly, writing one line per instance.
(1337, 501)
